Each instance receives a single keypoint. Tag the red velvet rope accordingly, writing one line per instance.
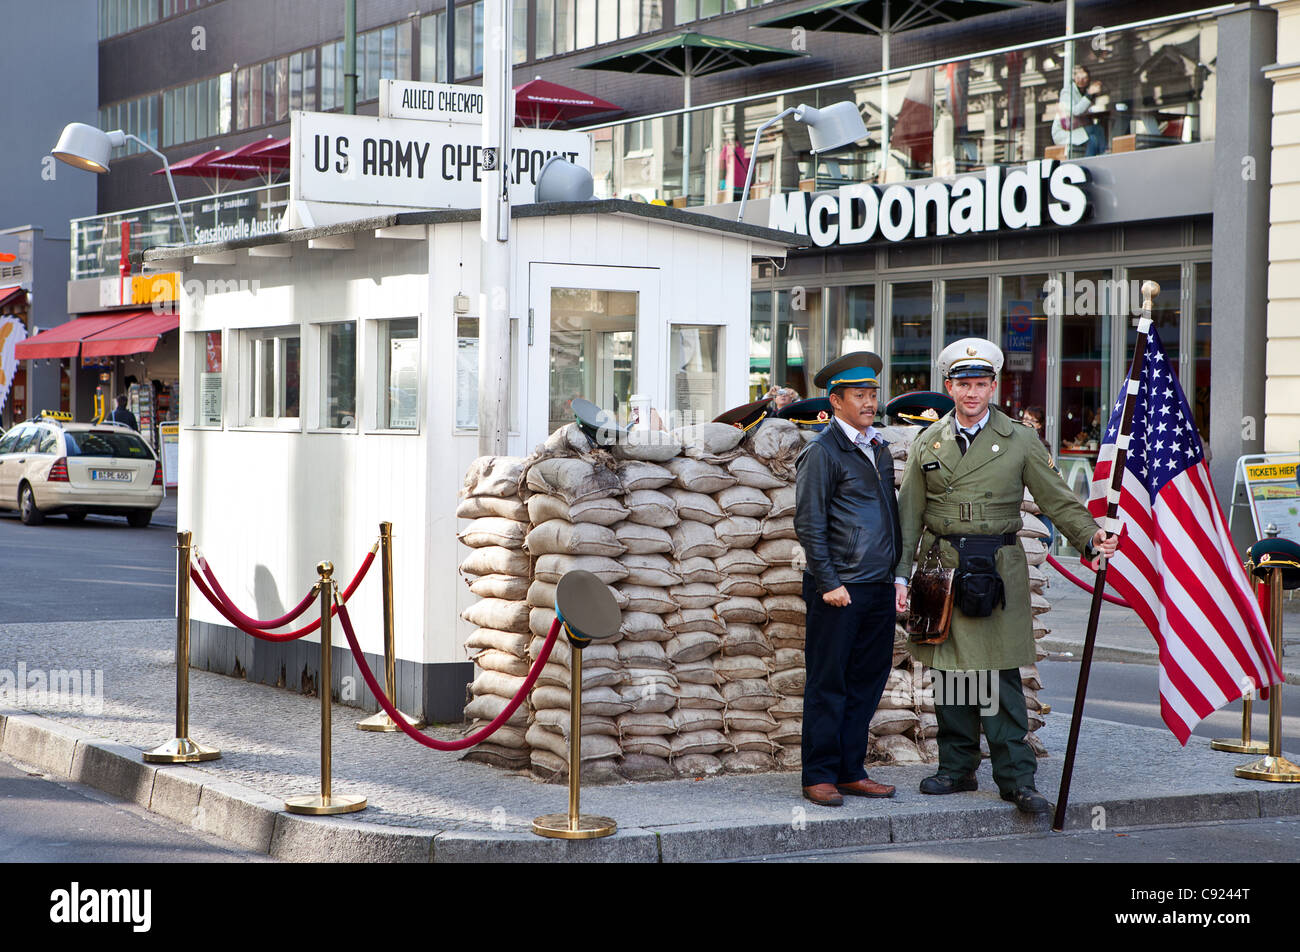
(234, 616)
(478, 736)
(1113, 599)
(248, 620)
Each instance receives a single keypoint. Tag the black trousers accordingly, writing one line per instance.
(846, 655)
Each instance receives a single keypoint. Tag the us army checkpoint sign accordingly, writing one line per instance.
(411, 163)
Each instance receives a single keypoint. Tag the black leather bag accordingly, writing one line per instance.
(978, 587)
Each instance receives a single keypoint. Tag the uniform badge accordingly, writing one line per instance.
(1265, 557)
(822, 416)
(995, 447)
(936, 446)
(929, 466)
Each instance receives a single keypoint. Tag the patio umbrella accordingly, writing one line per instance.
(689, 55)
(261, 157)
(203, 166)
(884, 18)
(539, 101)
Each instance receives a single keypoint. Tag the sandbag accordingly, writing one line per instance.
(642, 725)
(489, 659)
(885, 721)
(638, 767)
(540, 621)
(654, 446)
(786, 608)
(597, 654)
(594, 746)
(777, 551)
(1031, 527)
(650, 569)
(739, 532)
(894, 749)
(493, 476)
(557, 537)
(789, 682)
(752, 741)
(644, 626)
(641, 539)
(593, 676)
(650, 507)
(695, 539)
(488, 707)
(782, 528)
(710, 438)
(1035, 551)
(557, 720)
(788, 731)
(604, 701)
(742, 639)
(696, 619)
(647, 598)
(699, 595)
(493, 530)
(739, 667)
(642, 654)
(746, 761)
(694, 506)
(653, 698)
(605, 511)
(697, 719)
(507, 507)
(742, 586)
(782, 499)
(750, 694)
(787, 707)
(699, 742)
(510, 587)
(572, 479)
(497, 613)
(742, 611)
(656, 745)
(750, 472)
(692, 646)
(777, 442)
(551, 568)
(787, 658)
(493, 755)
(542, 595)
(744, 501)
(699, 696)
(496, 560)
(740, 562)
(698, 570)
(637, 475)
(699, 477)
(568, 440)
(696, 672)
(511, 642)
(782, 580)
(786, 635)
(697, 765)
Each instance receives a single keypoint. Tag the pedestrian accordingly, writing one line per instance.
(965, 480)
(123, 415)
(846, 519)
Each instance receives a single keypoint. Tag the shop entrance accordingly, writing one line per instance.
(586, 340)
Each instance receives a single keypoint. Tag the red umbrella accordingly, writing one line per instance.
(204, 166)
(261, 156)
(539, 101)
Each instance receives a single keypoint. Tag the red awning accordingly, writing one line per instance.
(7, 293)
(65, 340)
(138, 335)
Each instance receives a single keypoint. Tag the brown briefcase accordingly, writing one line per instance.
(930, 600)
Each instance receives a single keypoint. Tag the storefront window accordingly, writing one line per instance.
(593, 351)
(911, 310)
(1089, 299)
(338, 375)
(1199, 394)
(1024, 347)
(695, 391)
(852, 320)
(799, 346)
(1166, 310)
(760, 344)
(965, 309)
(398, 355)
(276, 376)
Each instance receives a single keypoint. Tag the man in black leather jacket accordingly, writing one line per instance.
(846, 518)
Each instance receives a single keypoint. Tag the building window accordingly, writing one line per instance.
(593, 351)
(852, 319)
(911, 323)
(338, 361)
(122, 16)
(467, 374)
(208, 357)
(138, 117)
(695, 390)
(433, 45)
(276, 375)
(469, 39)
(399, 374)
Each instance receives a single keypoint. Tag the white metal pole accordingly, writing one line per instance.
(1068, 66)
(884, 93)
(494, 233)
(686, 133)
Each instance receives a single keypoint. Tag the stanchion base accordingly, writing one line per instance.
(382, 722)
(315, 805)
(1237, 747)
(180, 750)
(556, 825)
(1277, 769)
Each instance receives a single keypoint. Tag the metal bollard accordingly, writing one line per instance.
(180, 749)
(325, 803)
(1273, 767)
(381, 721)
(1246, 745)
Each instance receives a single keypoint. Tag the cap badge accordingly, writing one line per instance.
(1265, 557)
(822, 416)
(970, 351)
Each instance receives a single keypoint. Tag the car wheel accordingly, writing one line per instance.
(27, 510)
(76, 518)
(140, 519)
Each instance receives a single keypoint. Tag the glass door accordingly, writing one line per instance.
(1022, 391)
(911, 324)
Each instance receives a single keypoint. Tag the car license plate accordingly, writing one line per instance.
(111, 475)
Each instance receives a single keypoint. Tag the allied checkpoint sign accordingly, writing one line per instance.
(1273, 494)
(414, 163)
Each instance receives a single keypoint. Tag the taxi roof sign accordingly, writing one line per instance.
(61, 415)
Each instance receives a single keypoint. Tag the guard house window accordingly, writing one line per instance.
(275, 362)
(399, 374)
(208, 357)
(338, 361)
(593, 351)
(467, 374)
(695, 385)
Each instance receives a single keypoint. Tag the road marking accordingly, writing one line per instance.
(105, 581)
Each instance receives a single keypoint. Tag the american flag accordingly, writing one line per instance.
(1176, 565)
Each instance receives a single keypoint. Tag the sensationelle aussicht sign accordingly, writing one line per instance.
(1037, 193)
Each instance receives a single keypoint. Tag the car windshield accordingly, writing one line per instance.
(106, 443)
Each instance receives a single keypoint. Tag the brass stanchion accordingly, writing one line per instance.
(180, 749)
(587, 610)
(326, 802)
(1247, 745)
(381, 721)
(1274, 766)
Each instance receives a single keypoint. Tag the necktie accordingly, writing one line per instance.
(966, 437)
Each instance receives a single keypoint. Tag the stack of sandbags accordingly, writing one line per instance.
(498, 571)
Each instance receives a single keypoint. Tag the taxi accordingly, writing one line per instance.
(54, 466)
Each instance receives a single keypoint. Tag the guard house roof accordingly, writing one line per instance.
(613, 206)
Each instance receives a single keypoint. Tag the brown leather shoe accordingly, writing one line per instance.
(824, 795)
(866, 787)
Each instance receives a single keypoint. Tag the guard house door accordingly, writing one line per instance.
(590, 337)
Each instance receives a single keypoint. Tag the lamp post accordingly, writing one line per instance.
(832, 127)
(87, 147)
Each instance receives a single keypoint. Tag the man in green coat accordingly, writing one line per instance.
(965, 480)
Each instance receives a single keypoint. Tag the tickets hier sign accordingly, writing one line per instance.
(406, 163)
(441, 102)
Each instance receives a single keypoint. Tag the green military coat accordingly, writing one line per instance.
(980, 493)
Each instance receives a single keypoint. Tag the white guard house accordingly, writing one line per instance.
(329, 381)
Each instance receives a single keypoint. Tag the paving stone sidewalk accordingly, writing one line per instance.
(428, 805)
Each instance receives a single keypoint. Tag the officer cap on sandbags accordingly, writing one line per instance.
(858, 369)
(1277, 553)
(970, 357)
(599, 425)
(748, 416)
(813, 413)
(921, 407)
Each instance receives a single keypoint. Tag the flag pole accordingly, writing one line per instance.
(1112, 525)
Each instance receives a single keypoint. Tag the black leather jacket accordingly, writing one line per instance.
(846, 514)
